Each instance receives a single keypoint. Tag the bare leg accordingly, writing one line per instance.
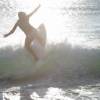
(28, 47)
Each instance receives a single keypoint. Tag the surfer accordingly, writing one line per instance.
(30, 32)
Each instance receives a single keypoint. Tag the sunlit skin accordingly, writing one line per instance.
(30, 32)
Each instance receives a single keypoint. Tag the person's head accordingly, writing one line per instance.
(21, 15)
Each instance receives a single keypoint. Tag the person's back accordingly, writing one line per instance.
(24, 24)
(30, 32)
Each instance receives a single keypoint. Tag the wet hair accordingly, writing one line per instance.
(21, 14)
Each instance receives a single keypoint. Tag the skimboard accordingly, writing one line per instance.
(39, 48)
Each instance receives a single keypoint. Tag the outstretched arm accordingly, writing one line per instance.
(12, 31)
(29, 15)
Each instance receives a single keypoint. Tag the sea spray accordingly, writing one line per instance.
(62, 62)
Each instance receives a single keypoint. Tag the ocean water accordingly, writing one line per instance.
(71, 69)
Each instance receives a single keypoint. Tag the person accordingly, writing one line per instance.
(30, 32)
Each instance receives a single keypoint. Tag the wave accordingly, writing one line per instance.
(62, 62)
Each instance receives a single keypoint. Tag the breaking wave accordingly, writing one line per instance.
(62, 62)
